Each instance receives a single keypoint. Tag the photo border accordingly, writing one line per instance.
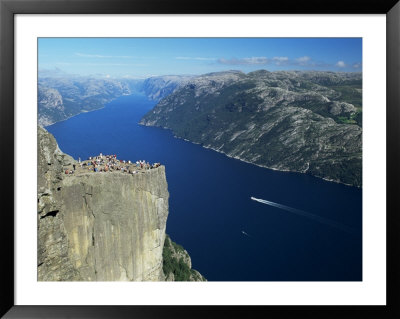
(9, 8)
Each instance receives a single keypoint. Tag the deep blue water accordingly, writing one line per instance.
(210, 205)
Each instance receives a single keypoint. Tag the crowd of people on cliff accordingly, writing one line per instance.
(109, 163)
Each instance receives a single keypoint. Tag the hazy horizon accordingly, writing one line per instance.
(146, 57)
(43, 73)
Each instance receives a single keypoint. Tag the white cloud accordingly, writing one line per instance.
(84, 55)
(341, 64)
(134, 77)
(280, 60)
(284, 61)
(194, 58)
(245, 61)
(103, 64)
(303, 60)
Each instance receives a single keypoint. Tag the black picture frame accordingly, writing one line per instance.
(8, 8)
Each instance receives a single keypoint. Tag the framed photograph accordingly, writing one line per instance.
(197, 160)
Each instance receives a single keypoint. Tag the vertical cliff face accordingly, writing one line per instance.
(53, 259)
(98, 226)
(116, 224)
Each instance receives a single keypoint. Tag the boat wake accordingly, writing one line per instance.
(246, 234)
(311, 216)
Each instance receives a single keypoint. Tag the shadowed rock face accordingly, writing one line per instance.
(53, 259)
(98, 226)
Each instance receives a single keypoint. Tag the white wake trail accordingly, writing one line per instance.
(306, 214)
(246, 234)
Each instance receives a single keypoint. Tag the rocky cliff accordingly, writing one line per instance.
(309, 122)
(98, 226)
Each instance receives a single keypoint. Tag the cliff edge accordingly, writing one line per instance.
(98, 226)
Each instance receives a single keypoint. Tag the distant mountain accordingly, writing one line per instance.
(159, 87)
(308, 122)
(63, 96)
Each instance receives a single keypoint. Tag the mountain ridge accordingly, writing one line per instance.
(302, 121)
(60, 98)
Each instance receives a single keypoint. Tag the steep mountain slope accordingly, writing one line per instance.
(98, 226)
(62, 97)
(295, 121)
(177, 264)
(158, 87)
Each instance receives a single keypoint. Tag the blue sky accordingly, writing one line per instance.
(143, 57)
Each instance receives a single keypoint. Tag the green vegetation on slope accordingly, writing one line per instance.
(176, 261)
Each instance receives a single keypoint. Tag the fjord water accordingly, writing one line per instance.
(229, 236)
